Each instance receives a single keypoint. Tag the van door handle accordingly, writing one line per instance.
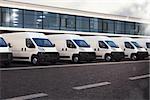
(21, 49)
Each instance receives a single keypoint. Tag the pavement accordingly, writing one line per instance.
(127, 80)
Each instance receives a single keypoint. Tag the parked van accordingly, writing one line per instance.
(73, 47)
(105, 48)
(131, 48)
(5, 53)
(144, 42)
(32, 47)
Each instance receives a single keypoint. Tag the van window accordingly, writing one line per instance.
(102, 45)
(81, 43)
(136, 44)
(148, 45)
(29, 43)
(41, 42)
(111, 44)
(70, 44)
(128, 45)
(2, 43)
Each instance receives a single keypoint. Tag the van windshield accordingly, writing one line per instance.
(136, 44)
(2, 43)
(41, 42)
(148, 44)
(81, 43)
(112, 44)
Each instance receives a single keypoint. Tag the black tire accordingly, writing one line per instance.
(35, 60)
(75, 59)
(133, 57)
(108, 58)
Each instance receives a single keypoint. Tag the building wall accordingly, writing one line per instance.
(43, 19)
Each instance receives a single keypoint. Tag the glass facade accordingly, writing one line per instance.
(82, 24)
(67, 22)
(22, 18)
(108, 26)
(51, 20)
(119, 27)
(32, 19)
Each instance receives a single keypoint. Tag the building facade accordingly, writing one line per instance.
(15, 16)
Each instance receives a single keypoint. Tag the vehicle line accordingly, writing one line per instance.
(139, 77)
(29, 97)
(88, 86)
(71, 65)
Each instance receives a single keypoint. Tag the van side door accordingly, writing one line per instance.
(69, 50)
(30, 48)
(129, 49)
(102, 50)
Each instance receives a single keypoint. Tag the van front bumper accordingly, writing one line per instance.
(5, 58)
(87, 56)
(142, 55)
(117, 55)
(48, 57)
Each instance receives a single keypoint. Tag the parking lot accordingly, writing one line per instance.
(126, 80)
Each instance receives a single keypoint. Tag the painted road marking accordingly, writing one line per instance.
(29, 97)
(139, 77)
(71, 65)
(91, 86)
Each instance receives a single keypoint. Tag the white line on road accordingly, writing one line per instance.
(29, 97)
(91, 86)
(139, 77)
(71, 65)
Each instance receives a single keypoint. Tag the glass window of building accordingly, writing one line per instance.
(130, 28)
(82, 24)
(67, 22)
(108, 26)
(32, 19)
(94, 24)
(119, 27)
(0, 17)
(5, 20)
(16, 18)
(51, 20)
(100, 25)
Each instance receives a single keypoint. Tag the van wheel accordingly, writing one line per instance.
(108, 58)
(75, 59)
(35, 60)
(133, 57)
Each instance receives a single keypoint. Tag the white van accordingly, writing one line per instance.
(32, 47)
(144, 42)
(5, 53)
(105, 48)
(72, 47)
(131, 48)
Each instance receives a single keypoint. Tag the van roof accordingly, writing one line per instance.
(27, 34)
(66, 36)
(98, 37)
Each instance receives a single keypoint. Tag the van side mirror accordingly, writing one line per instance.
(53, 45)
(9, 45)
(124, 49)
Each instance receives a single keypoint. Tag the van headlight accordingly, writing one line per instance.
(41, 49)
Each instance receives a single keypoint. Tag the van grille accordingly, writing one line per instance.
(48, 56)
(117, 55)
(5, 56)
(87, 56)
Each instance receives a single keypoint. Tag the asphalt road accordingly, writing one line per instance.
(94, 81)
